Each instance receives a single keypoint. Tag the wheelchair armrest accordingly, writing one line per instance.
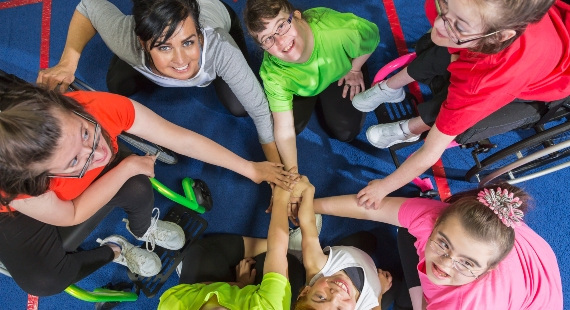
(397, 63)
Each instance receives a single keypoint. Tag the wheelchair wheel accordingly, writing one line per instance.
(164, 155)
(522, 164)
(516, 172)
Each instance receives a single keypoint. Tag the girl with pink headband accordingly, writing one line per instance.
(474, 250)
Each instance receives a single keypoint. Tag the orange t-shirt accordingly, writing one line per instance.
(115, 114)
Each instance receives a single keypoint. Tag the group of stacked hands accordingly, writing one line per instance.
(471, 252)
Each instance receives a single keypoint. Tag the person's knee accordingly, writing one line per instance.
(139, 189)
(45, 283)
(237, 110)
(346, 134)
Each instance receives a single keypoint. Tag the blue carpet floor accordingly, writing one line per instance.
(333, 167)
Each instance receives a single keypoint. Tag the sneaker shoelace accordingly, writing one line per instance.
(152, 231)
(134, 259)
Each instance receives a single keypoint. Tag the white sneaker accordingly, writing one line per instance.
(385, 135)
(295, 236)
(179, 269)
(164, 234)
(371, 98)
(139, 261)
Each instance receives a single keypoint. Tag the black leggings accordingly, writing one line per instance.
(34, 252)
(337, 115)
(430, 68)
(409, 257)
(124, 80)
(214, 258)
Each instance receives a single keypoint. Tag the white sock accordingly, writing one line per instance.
(405, 128)
(386, 88)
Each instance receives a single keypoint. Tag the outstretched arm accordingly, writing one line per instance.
(285, 138)
(48, 208)
(436, 142)
(313, 257)
(150, 126)
(278, 234)
(80, 32)
(347, 206)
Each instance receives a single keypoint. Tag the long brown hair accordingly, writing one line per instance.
(29, 135)
(508, 15)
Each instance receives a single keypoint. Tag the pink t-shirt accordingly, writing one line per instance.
(528, 278)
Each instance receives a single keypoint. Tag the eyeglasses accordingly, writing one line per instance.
(459, 266)
(281, 30)
(96, 138)
(441, 6)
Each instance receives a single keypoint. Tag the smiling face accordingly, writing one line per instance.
(461, 247)
(179, 56)
(465, 18)
(296, 45)
(75, 146)
(332, 292)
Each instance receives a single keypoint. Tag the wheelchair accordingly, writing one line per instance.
(196, 200)
(545, 125)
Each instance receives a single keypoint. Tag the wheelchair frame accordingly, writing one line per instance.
(531, 157)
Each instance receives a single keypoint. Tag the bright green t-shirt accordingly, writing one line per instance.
(274, 292)
(339, 38)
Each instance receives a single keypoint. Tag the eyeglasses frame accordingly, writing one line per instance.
(96, 138)
(433, 244)
(449, 28)
(288, 21)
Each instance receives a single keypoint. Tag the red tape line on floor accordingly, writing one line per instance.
(397, 32)
(44, 46)
(33, 302)
(15, 3)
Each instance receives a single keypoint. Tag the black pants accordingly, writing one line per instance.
(124, 80)
(214, 258)
(430, 68)
(337, 115)
(409, 257)
(34, 252)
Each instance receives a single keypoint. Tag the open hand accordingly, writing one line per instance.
(274, 173)
(135, 164)
(353, 83)
(245, 273)
(371, 196)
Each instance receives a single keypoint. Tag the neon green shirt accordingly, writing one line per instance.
(274, 292)
(339, 38)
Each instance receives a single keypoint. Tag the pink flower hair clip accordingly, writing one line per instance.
(504, 204)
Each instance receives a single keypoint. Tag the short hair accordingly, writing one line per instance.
(258, 10)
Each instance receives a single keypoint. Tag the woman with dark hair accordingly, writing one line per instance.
(170, 43)
(475, 252)
(60, 164)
